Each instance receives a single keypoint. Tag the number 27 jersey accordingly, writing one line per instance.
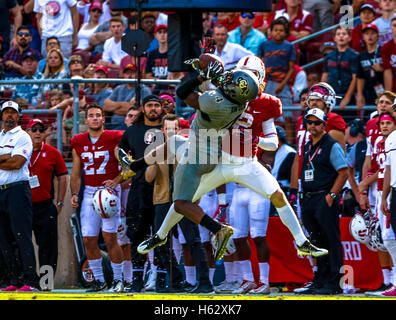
(98, 159)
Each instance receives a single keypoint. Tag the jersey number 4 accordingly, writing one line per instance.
(91, 159)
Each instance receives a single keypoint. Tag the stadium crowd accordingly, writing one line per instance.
(69, 39)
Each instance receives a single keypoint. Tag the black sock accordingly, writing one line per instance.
(210, 224)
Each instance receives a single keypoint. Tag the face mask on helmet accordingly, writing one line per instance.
(323, 91)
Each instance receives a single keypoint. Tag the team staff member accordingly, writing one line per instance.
(16, 202)
(323, 174)
(140, 210)
(45, 163)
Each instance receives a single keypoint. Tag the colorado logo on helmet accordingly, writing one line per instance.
(243, 85)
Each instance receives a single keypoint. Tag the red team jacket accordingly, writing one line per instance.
(98, 158)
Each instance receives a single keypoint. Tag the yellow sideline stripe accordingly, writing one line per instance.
(109, 296)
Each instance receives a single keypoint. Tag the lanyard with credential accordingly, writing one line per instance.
(310, 158)
(31, 165)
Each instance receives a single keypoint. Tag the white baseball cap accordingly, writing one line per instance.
(10, 104)
(318, 113)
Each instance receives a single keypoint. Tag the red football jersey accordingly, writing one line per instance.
(261, 109)
(334, 122)
(380, 157)
(374, 136)
(98, 158)
(45, 163)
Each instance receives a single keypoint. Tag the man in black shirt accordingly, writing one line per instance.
(140, 211)
(370, 71)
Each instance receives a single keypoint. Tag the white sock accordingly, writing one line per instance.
(246, 267)
(177, 249)
(211, 274)
(171, 219)
(97, 270)
(191, 275)
(229, 271)
(390, 245)
(238, 274)
(387, 275)
(289, 219)
(264, 272)
(151, 257)
(127, 270)
(117, 270)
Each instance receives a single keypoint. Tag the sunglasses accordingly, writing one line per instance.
(26, 34)
(40, 129)
(250, 15)
(316, 122)
(96, 10)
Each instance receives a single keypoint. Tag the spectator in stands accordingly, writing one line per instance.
(207, 24)
(112, 53)
(88, 28)
(312, 78)
(30, 92)
(157, 61)
(103, 33)
(279, 58)
(388, 53)
(60, 19)
(168, 103)
(54, 69)
(230, 20)
(131, 115)
(230, 53)
(89, 73)
(304, 99)
(367, 16)
(122, 98)
(101, 91)
(245, 35)
(51, 42)
(341, 66)
(12, 59)
(55, 96)
(370, 82)
(301, 21)
(388, 10)
(76, 66)
(84, 8)
(148, 26)
(8, 9)
(322, 11)
(299, 82)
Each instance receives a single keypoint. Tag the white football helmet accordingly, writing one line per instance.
(254, 64)
(358, 229)
(325, 92)
(106, 202)
(376, 241)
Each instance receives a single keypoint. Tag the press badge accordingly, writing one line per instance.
(308, 175)
(34, 182)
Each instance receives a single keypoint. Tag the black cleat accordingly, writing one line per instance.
(147, 245)
(97, 286)
(308, 249)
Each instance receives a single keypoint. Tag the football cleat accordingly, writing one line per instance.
(117, 286)
(308, 249)
(245, 287)
(261, 288)
(97, 286)
(147, 245)
(220, 241)
(125, 161)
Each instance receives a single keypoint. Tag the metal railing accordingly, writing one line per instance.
(76, 82)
